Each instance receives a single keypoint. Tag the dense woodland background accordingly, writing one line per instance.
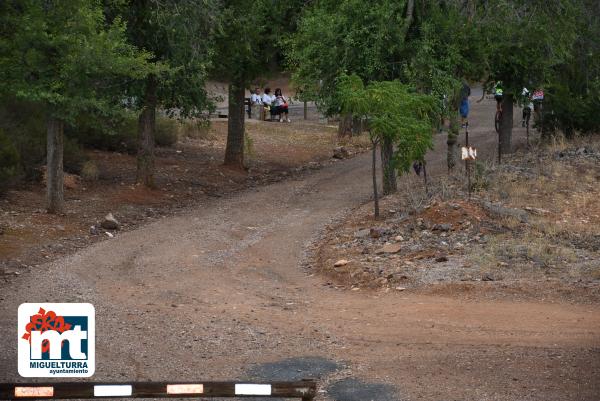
(118, 75)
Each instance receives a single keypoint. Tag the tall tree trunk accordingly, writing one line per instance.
(356, 126)
(374, 174)
(54, 166)
(452, 141)
(146, 127)
(425, 177)
(234, 151)
(345, 125)
(387, 167)
(506, 124)
(408, 18)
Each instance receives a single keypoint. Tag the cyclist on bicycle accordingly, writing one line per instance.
(498, 94)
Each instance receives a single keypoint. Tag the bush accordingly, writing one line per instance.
(24, 124)
(195, 129)
(9, 162)
(120, 135)
(73, 157)
(114, 135)
(166, 131)
(89, 171)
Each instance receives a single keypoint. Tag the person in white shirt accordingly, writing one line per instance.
(281, 106)
(267, 99)
(255, 97)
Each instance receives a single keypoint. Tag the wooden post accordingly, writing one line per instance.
(305, 110)
(467, 161)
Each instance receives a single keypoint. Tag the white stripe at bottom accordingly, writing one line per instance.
(252, 389)
(112, 390)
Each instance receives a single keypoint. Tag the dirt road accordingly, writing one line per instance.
(220, 293)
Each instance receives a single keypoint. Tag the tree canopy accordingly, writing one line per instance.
(396, 115)
(66, 57)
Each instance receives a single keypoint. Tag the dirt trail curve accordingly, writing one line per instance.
(220, 289)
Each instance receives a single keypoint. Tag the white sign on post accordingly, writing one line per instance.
(469, 153)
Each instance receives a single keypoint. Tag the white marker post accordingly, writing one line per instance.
(468, 154)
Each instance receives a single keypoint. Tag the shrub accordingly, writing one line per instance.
(89, 171)
(73, 157)
(166, 131)
(120, 135)
(195, 129)
(114, 135)
(25, 125)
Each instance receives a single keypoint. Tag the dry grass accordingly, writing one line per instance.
(561, 195)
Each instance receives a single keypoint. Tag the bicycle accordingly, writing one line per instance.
(498, 119)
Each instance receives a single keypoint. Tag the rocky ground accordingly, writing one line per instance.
(532, 220)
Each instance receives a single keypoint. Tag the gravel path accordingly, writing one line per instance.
(220, 293)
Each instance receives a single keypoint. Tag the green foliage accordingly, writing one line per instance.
(443, 52)
(179, 35)
(481, 176)
(166, 132)
(64, 55)
(392, 111)
(24, 124)
(89, 171)
(120, 134)
(9, 162)
(525, 40)
(245, 42)
(74, 157)
(345, 36)
(573, 92)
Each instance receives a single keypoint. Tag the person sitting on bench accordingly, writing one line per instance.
(255, 98)
(267, 100)
(280, 106)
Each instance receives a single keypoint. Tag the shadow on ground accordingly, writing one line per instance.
(293, 369)
(349, 389)
(352, 389)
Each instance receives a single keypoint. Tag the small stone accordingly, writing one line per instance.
(389, 248)
(94, 230)
(110, 223)
(110, 235)
(442, 258)
(340, 152)
(340, 263)
(400, 288)
(442, 227)
(364, 233)
(488, 277)
(398, 238)
(376, 232)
